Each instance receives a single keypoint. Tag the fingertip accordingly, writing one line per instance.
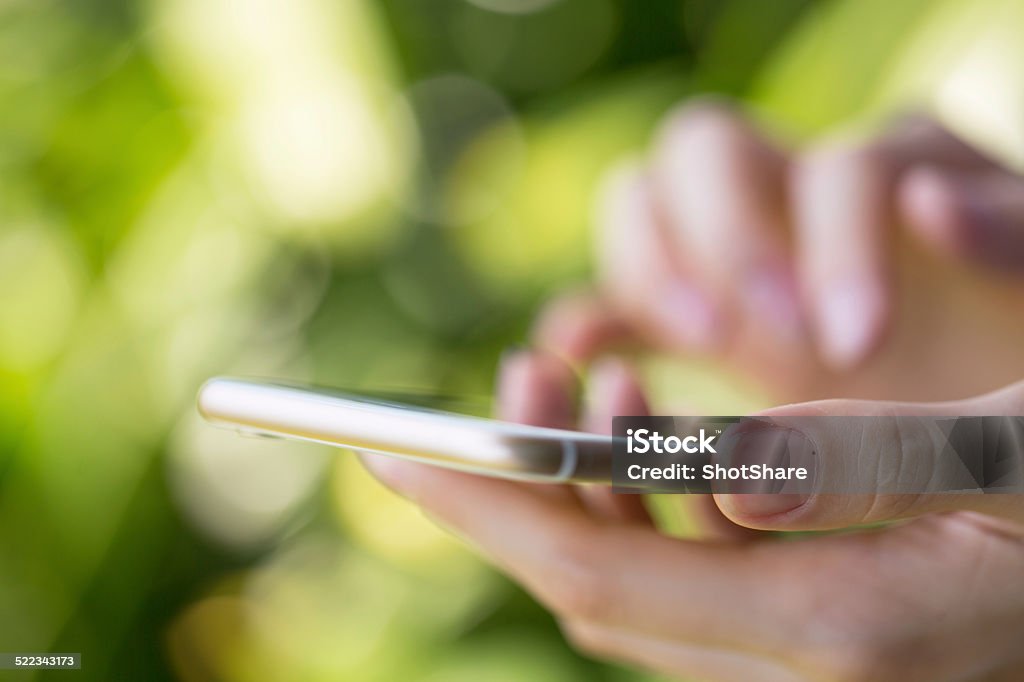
(511, 382)
(852, 317)
(931, 207)
(765, 511)
(610, 371)
(615, 381)
(698, 119)
(613, 390)
(576, 326)
(767, 502)
(536, 388)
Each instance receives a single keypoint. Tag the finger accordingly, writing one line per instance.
(578, 326)
(841, 205)
(843, 209)
(722, 188)
(895, 465)
(638, 276)
(614, 391)
(978, 217)
(536, 388)
(674, 658)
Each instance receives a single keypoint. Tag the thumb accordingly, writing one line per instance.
(881, 461)
(979, 217)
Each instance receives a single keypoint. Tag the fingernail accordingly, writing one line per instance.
(689, 316)
(849, 317)
(772, 298)
(772, 446)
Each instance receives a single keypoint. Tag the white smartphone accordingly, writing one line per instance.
(456, 441)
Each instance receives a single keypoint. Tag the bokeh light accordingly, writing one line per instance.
(501, 44)
(451, 111)
(303, 92)
(513, 6)
(41, 280)
(239, 491)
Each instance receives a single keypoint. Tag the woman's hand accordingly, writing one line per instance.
(934, 598)
(882, 269)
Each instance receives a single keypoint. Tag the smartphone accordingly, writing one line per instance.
(367, 424)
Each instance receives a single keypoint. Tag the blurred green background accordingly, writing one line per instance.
(362, 194)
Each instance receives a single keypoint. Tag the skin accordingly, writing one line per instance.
(932, 598)
(885, 270)
(850, 268)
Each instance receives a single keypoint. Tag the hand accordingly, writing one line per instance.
(934, 598)
(790, 266)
